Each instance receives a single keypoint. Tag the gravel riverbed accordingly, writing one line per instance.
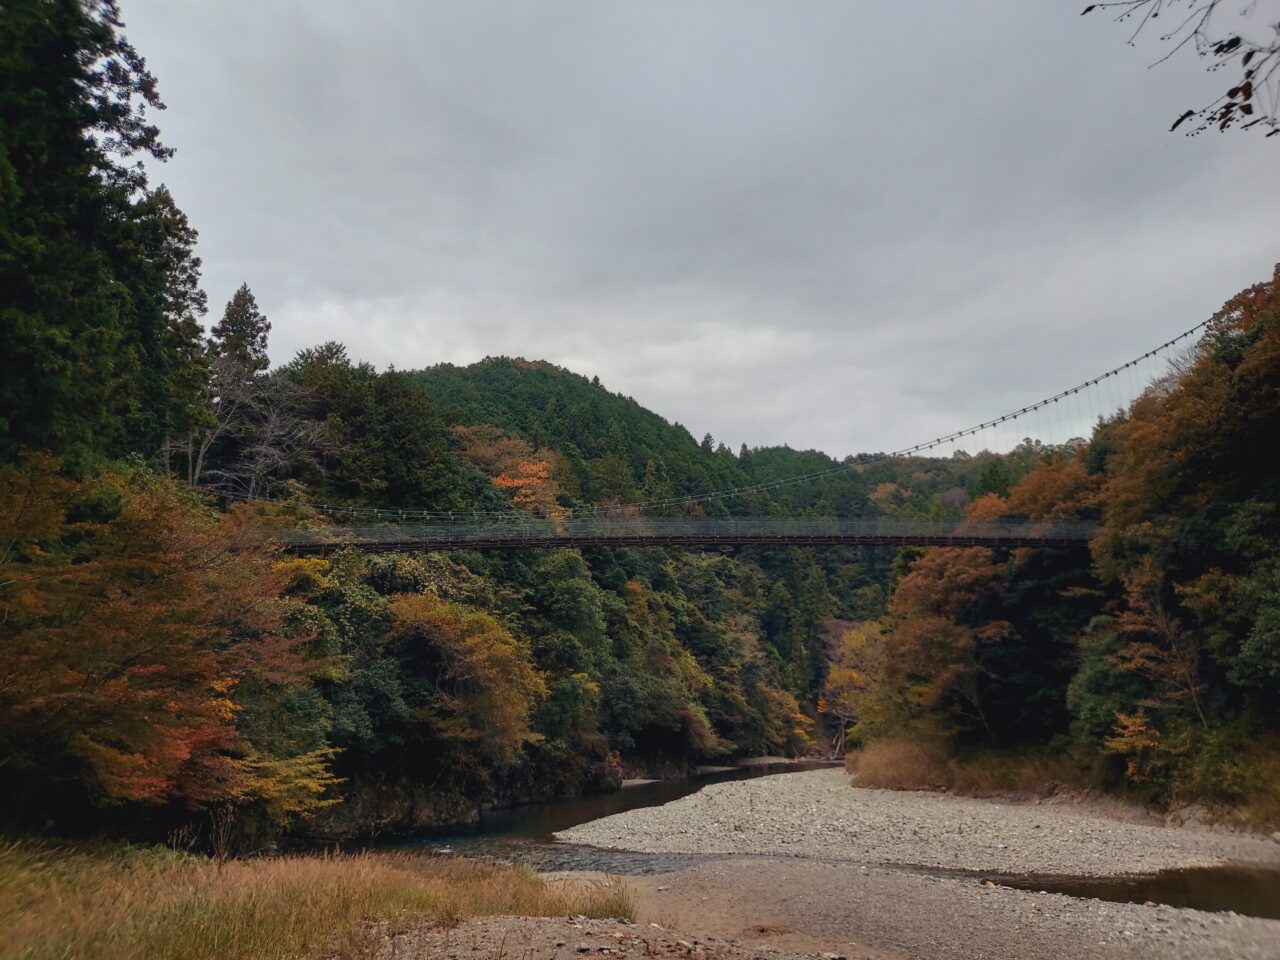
(819, 871)
(856, 912)
(817, 814)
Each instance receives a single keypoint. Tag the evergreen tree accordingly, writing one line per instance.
(242, 332)
(995, 479)
(98, 285)
(165, 282)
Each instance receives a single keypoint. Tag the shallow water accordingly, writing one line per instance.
(524, 835)
(1252, 891)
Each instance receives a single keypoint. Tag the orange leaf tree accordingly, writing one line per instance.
(131, 615)
(1190, 523)
(526, 475)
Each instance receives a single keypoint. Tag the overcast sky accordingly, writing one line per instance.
(845, 225)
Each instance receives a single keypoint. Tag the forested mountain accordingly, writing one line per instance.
(411, 689)
(614, 448)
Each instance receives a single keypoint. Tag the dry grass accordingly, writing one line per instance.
(930, 765)
(933, 765)
(1261, 809)
(131, 904)
(900, 765)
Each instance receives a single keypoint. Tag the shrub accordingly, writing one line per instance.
(934, 765)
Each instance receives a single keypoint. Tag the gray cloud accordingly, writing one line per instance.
(834, 224)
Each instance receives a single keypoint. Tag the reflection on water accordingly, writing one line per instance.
(524, 835)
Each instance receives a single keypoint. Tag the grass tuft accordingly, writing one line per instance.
(114, 903)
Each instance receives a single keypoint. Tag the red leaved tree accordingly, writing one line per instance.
(129, 614)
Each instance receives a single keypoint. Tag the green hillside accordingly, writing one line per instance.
(618, 449)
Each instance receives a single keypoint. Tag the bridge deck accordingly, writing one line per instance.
(680, 532)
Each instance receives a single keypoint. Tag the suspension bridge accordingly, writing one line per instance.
(640, 531)
(1069, 413)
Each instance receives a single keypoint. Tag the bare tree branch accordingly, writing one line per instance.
(1252, 101)
(255, 430)
(269, 436)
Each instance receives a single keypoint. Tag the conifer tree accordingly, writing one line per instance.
(98, 283)
(242, 332)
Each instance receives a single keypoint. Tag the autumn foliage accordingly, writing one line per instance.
(486, 687)
(527, 476)
(1160, 650)
(132, 616)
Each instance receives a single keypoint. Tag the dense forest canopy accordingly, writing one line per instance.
(160, 656)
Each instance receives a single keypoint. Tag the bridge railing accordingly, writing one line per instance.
(530, 530)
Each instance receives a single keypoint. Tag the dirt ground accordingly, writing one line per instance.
(542, 938)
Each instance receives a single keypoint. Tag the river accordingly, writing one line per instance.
(525, 834)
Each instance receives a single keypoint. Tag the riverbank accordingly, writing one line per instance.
(384, 812)
(815, 908)
(816, 814)
(576, 938)
(806, 863)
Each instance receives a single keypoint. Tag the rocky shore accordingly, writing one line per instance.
(815, 908)
(821, 869)
(818, 815)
